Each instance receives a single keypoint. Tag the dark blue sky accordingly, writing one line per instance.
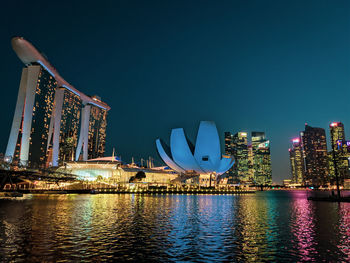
(248, 65)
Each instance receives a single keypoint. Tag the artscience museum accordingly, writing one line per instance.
(204, 158)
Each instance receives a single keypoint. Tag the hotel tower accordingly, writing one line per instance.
(53, 122)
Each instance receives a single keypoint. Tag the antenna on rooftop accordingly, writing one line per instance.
(113, 154)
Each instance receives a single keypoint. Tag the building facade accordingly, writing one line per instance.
(316, 159)
(297, 162)
(240, 152)
(262, 159)
(339, 154)
(53, 122)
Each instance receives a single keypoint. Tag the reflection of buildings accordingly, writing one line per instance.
(297, 162)
(53, 122)
(303, 228)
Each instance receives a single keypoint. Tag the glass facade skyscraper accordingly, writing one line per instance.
(240, 152)
(262, 159)
(316, 159)
(228, 143)
(339, 154)
(252, 161)
(297, 162)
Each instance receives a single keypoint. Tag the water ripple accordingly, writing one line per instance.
(268, 226)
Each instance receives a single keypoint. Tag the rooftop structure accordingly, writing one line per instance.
(28, 54)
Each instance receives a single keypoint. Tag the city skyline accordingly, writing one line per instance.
(255, 74)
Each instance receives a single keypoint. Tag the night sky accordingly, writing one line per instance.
(247, 65)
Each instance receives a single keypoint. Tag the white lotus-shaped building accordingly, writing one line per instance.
(204, 158)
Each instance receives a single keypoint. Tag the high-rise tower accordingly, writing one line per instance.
(228, 143)
(240, 152)
(315, 150)
(262, 159)
(297, 162)
(53, 121)
(339, 153)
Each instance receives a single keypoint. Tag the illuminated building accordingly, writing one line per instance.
(250, 163)
(97, 132)
(339, 153)
(70, 125)
(204, 159)
(229, 151)
(287, 182)
(115, 173)
(315, 150)
(292, 163)
(228, 143)
(297, 162)
(53, 121)
(240, 152)
(262, 159)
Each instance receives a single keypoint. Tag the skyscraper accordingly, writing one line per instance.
(339, 153)
(297, 162)
(262, 159)
(228, 143)
(229, 151)
(250, 163)
(315, 150)
(53, 122)
(240, 152)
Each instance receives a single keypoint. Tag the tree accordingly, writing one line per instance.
(138, 177)
(99, 178)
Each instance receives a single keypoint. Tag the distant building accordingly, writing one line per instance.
(240, 152)
(315, 150)
(250, 163)
(262, 159)
(297, 162)
(228, 143)
(287, 182)
(53, 121)
(229, 151)
(339, 153)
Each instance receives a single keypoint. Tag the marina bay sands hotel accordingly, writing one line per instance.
(53, 122)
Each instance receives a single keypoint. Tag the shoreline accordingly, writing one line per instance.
(112, 191)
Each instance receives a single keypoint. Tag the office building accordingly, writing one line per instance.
(240, 153)
(228, 143)
(315, 152)
(262, 159)
(297, 162)
(339, 153)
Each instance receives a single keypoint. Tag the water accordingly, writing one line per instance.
(267, 226)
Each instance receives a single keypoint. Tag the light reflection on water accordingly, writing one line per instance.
(267, 226)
